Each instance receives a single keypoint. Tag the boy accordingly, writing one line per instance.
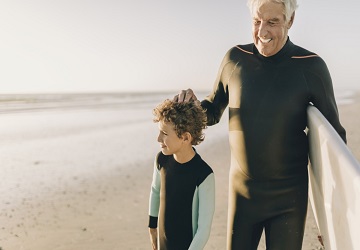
(182, 197)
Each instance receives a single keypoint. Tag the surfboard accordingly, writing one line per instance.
(334, 185)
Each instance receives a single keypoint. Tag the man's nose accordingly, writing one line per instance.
(262, 31)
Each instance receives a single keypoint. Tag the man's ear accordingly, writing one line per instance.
(291, 21)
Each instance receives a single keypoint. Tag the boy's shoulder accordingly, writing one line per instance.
(161, 160)
(203, 169)
(203, 165)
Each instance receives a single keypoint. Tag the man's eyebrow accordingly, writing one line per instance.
(275, 19)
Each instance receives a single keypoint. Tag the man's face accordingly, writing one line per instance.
(270, 29)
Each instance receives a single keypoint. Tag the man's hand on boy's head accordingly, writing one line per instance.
(186, 96)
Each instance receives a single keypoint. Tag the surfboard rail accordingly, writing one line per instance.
(334, 185)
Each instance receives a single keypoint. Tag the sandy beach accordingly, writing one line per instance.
(79, 178)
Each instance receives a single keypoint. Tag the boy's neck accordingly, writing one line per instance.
(184, 155)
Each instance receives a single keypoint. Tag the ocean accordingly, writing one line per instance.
(12, 103)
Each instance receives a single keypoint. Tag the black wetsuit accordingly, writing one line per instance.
(182, 199)
(267, 99)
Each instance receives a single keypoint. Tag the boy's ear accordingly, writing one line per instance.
(187, 137)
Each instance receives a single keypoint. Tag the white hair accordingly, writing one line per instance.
(289, 6)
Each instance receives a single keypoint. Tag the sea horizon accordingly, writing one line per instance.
(26, 102)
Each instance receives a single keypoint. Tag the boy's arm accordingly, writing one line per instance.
(206, 212)
(154, 204)
(153, 238)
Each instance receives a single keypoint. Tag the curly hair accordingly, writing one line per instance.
(186, 117)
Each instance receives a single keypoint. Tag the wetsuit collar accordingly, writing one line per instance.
(278, 56)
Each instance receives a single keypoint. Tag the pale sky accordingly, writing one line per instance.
(154, 45)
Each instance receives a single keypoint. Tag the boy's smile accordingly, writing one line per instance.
(172, 144)
(169, 141)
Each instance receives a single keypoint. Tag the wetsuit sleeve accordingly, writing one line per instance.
(205, 212)
(154, 200)
(323, 96)
(216, 102)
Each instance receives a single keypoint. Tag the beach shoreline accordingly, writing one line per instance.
(83, 183)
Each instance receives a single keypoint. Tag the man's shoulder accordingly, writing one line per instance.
(242, 49)
(238, 53)
(299, 52)
(308, 59)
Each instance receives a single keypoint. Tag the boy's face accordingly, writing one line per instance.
(170, 143)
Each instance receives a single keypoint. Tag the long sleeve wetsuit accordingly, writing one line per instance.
(182, 199)
(267, 99)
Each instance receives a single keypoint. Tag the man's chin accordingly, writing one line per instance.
(264, 51)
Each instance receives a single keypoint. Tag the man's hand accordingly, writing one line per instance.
(186, 96)
(153, 238)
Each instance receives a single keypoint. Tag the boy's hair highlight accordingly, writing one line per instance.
(185, 116)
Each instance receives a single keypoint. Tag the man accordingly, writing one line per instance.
(268, 86)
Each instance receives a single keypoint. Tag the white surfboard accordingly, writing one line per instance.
(334, 185)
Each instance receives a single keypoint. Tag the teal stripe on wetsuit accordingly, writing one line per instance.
(267, 99)
(182, 198)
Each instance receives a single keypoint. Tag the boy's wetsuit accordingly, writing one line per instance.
(267, 99)
(182, 199)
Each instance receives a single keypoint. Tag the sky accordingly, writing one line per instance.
(154, 45)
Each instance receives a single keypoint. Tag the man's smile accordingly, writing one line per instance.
(264, 41)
